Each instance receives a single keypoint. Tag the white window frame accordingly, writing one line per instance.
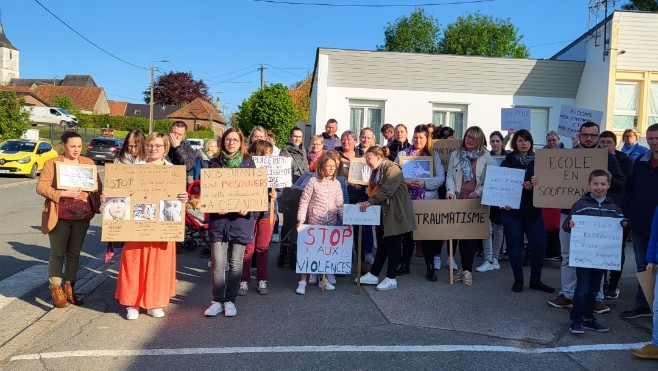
(367, 105)
(627, 112)
(450, 109)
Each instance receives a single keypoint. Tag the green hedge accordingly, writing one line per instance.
(123, 123)
(202, 134)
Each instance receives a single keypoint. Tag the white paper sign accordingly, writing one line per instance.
(503, 186)
(323, 249)
(596, 242)
(571, 118)
(279, 170)
(353, 216)
(515, 118)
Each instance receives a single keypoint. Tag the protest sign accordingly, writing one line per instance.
(503, 187)
(232, 190)
(571, 118)
(77, 176)
(647, 282)
(359, 171)
(515, 118)
(498, 160)
(563, 175)
(353, 216)
(279, 170)
(141, 203)
(324, 249)
(450, 219)
(445, 147)
(596, 242)
(417, 167)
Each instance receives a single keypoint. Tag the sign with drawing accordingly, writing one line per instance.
(359, 171)
(417, 167)
(77, 176)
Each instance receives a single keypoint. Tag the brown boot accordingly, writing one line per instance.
(365, 268)
(59, 299)
(70, 294)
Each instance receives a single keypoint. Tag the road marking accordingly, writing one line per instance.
(326, 349)
(21, 283)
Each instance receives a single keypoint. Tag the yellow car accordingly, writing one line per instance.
(26, 157)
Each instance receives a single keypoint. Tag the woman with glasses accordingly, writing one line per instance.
(631, 147)
(315, 152)
(133, 150)
(147, 272)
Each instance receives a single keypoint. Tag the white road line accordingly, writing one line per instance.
(327, 349)
(22, 282)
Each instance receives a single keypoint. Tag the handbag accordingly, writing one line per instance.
(74, 209)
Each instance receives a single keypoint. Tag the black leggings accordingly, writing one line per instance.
(431, 248)
(387, 247)
(467, 250)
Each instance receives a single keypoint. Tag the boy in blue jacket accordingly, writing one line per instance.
(588, 280)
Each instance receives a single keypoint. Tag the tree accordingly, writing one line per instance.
(646, 5)
(417, 33)
(270, 107)
(64, 101)
(483, 35)
(301, 97)
(14, 121)
(176, 88)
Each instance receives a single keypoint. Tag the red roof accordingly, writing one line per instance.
(198, 109)
(117, 108)
(84, 97)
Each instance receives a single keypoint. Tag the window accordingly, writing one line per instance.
(138, 112)
(539, 125)
(626, 104)
(367, 114)
(453, 116)
(653, 104)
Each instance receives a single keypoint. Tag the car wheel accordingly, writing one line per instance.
(63, 124)
(33, 172)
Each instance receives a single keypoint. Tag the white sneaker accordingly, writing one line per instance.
(387, 284)
(244, 288)
(155, 312)
(331, 278)
(229, 309)
(454, 265)
(327, 285)
(437, 262)
(369, 259)
(368, 279)
(486, 266)
(495, 264)
(301, 288)
(213, 309)
(262, 287)
(133, 313)
(468, 278)
(209, 263)
(313, 278)
(275, 238)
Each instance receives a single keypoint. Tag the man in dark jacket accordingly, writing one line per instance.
(181, 153)
(331, 140)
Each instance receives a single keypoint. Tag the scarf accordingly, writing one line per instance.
(229, 161)
(416, 193)
(314, 159)
(465, 158)
(628, 148)
(376, 179)
(524, 160)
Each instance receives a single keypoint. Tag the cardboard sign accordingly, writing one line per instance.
(232, 190)
(451, 219)
(353, 216)
(417, 167)
(571, 118)
(515, 118)
(647, 282)
(359, 172)
(141, 203)
(596, 242)
(77, 176)
(279, 170)
(445, 147)
(503, 187)
(563, 175)
(498, 160)
(324, 249)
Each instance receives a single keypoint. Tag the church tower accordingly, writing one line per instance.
(8, 59)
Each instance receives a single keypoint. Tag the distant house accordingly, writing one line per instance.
(28, 95)
(117, 108)
(69, 80)
(200, 115)
(160, 111)
(87, 99)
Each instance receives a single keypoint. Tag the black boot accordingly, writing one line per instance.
(431, 274)
(403, 268)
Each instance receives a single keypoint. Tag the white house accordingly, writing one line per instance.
(370, 88)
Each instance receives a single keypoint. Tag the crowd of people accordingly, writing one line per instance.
(240, 240)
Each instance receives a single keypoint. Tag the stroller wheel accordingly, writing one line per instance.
(292, 259)
(190, 245)
(179, 247)
(205, 252)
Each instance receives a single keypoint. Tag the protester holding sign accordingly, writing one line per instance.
(422, 190)
(399, 142)
(229, 232)
(147, 272)
(465, 180)
(527, 220)
(321, 203)
(588, 280)
(388, 189)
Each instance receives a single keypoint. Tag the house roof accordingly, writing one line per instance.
(69, 80)
(160, 111)
(22, 91)
(117, 108)
(84, 98)
(4, 41)
(198, 109)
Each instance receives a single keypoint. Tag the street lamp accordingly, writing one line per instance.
(151, 121)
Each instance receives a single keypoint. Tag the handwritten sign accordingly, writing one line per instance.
(353, 216)
(498, 160)
(232, 190)
(596, 242)
(279, 170)
(77, 176)
(417, 167)
(445, 147)
(141, 203)
(571, 118)
(503, 187)
(515, 118)
(450, 219)
(324, 249)
(563, 175)
(359, 171)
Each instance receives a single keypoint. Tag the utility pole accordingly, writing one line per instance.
(151, 120)
(262, 76)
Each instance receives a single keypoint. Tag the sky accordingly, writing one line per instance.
(224, 42)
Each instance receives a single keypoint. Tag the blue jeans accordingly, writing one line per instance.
(640, 245)
(654, 337)
(588, 282)
(533, 227)
(225, 284)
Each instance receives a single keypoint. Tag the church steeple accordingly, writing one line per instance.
(4, 41)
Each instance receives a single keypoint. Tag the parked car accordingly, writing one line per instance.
(24, 156)
(196, 144)
(52, 115)
(103, 149)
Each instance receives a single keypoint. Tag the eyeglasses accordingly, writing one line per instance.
(297, 136)
(317, 144)
(156, 146)
(131, 146)
(588, 135)
(232, 140)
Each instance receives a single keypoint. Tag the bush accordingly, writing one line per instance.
(123, 123)
(201, 134)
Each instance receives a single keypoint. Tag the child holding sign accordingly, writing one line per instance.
(588, 280)
(321, 203)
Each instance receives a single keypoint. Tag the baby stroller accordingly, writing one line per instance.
(288, 205)
(196, 225)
